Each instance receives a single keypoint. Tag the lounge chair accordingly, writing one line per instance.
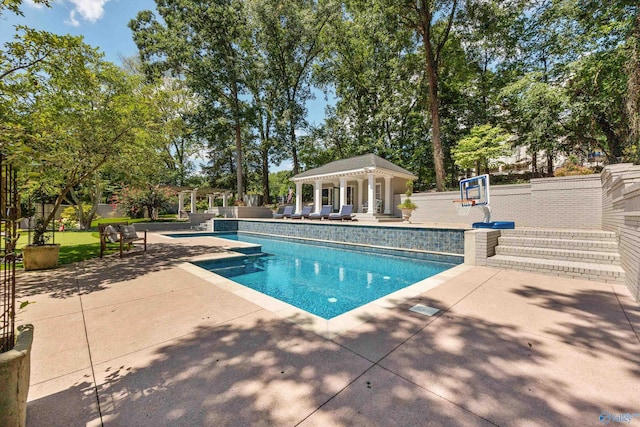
(324, 213)
(345, 213)
(279, 212)
(286, 213)
(306, 211)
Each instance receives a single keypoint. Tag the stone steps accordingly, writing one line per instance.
(557, 243)
(204, 226)
(581, 254)
(560, 234)
(608, 257)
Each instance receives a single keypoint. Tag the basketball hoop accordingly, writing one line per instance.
(464, 206)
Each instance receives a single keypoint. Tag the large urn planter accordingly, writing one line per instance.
(15, 368)
(406, 215)
(40, 257)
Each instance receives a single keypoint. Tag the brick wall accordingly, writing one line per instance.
(621, 213)
(564, 202)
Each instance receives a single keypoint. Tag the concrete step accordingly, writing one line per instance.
(595, 257)
(556, 243)
(560, 234)
(577, 270)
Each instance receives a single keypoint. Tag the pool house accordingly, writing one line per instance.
(367, 182)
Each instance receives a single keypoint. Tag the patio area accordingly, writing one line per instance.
(143, 341)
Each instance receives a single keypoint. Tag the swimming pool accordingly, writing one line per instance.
(325, 281)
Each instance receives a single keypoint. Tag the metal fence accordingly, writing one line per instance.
(9, 212)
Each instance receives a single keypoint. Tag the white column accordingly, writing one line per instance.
(224, 199)
(360, 191)
(193, 200)
(180, 202)
(317, 196)
(343, 192)
(211, 196)
(371, 194)
(387, 195)
(298, 197)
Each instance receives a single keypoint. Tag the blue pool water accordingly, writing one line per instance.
(322, 280)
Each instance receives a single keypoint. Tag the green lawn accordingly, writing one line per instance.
(81, 245)
(94, 223)
(74, 245)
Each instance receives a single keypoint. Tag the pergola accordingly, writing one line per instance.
(342, 182)
(194, 193)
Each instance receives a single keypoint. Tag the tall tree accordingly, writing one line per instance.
(289, 35)
(206, 43)
(78, 113)
(432, 20)
(483, 144)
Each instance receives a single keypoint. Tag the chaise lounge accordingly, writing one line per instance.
(344, 214)
(306, 211)
(324, 213)
(286, 213)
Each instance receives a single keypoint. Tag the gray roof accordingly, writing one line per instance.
(354, 163)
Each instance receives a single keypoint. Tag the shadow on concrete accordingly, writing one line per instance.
(98, 273)
(401, 368)
(600, 322)
(497, 371)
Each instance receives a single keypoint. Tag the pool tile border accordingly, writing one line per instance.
(445, 241)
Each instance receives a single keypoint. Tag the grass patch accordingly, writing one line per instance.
(75, 246)
(163, 218)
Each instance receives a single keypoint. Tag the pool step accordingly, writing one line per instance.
(584, 254)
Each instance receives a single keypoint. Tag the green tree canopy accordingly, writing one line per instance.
(484, 144)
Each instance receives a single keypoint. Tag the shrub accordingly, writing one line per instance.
(572, 167)
(152, 198)
(69, 216)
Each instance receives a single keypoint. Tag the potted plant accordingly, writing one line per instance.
(407, 206)
(39, 254)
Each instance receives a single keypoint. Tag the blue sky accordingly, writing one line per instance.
(103, 23)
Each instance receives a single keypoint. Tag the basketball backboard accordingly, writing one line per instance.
(476, 189)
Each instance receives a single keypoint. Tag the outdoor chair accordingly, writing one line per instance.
(120, 233)
(286, 213)
(324, 213)
(279, 212)
(306, 211)
(344, 214)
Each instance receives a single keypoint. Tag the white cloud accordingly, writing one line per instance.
(30, 3)
(72, 19)
(89, 10)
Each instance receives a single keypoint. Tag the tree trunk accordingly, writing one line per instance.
(264, 154)
(434, 109)
(424, 15)
(238, 129)
(294, 150)
(633, 86)
(549, 164)
(265, 177)
(534, 164)
(614, 145)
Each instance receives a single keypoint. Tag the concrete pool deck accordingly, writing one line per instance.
(143, 341)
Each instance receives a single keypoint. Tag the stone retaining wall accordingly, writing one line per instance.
(621, 214)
